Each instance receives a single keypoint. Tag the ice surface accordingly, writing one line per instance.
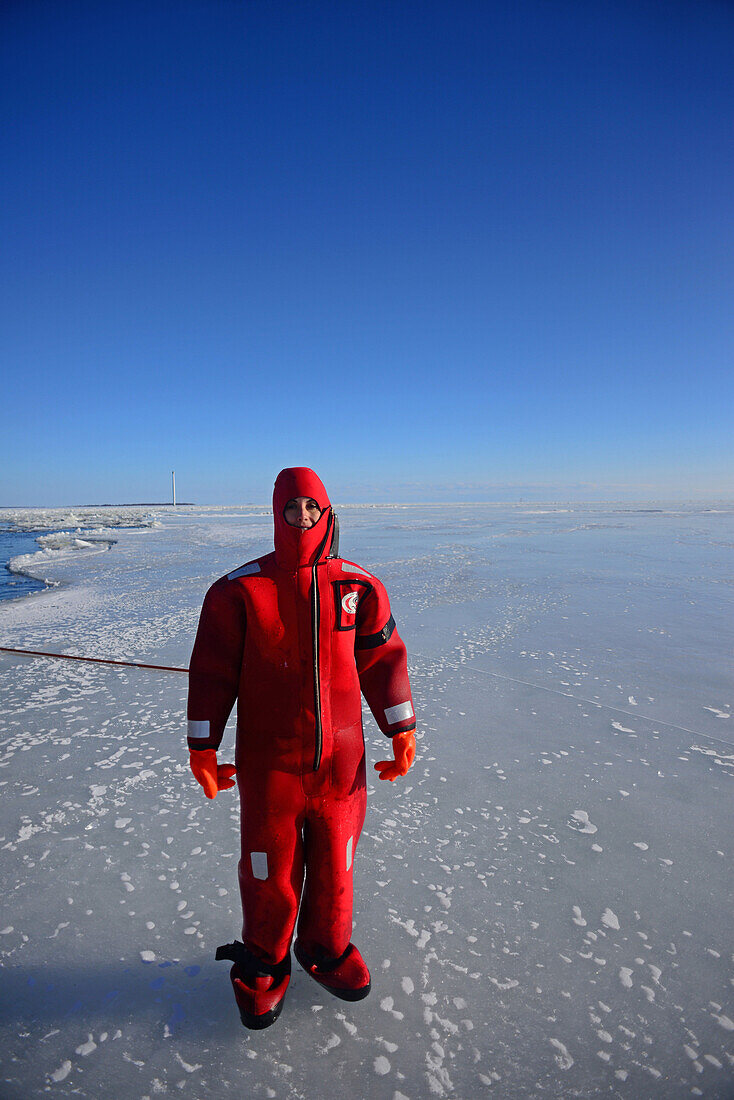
(94, 531)
(545, 900)
(38, 519)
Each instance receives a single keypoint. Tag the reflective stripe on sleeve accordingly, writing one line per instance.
(197, 731)
(398, 713)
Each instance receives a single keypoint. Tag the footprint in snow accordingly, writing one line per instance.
(86, 1048)
(562, 1059)
(62, 1072)
(331, 1042)
(579, 821)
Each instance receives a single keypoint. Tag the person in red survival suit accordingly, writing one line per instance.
(294, 637)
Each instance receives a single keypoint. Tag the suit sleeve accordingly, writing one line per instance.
(216, 661)
(382, 664)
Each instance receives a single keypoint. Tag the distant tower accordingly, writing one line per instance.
(173, 487)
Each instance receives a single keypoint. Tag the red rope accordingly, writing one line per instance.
(92, 660)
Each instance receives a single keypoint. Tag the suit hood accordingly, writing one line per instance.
(295, 546)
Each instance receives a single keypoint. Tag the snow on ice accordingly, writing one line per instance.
(545, 900)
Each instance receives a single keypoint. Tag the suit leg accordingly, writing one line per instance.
(332, 831)
(271, 865)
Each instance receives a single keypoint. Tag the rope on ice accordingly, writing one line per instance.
(92, 660)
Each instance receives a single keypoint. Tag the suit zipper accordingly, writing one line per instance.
(315, 623)
(315, 619)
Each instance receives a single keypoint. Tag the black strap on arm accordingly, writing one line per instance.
(372, 641)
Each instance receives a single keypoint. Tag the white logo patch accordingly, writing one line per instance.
(349, 602)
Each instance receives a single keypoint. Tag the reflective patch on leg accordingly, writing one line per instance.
(259, 864)
(350, 847)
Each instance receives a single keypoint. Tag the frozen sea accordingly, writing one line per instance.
(545, 900)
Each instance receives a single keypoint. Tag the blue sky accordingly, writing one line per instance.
(434, 250)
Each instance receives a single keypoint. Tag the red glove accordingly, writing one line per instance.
(212, 776)
(403, 747)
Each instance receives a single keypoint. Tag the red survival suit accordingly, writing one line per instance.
(293, 637)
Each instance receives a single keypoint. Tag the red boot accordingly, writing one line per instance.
(259, 987)
(346, 977)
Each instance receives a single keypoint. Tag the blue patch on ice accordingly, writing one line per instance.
(176, 1017)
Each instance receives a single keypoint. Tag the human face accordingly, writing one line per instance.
(302, 512)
